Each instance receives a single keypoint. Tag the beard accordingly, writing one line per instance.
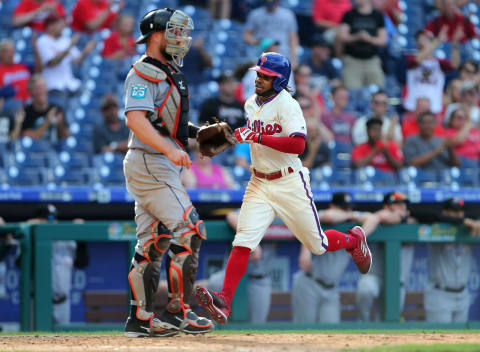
(267, 93)
(164, 53)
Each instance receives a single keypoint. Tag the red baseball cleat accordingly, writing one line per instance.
(214, 303)
(361, 255)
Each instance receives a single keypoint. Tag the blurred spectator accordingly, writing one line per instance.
(453, 92)
(93, 15)
(57, 52)
(321, 64)
(391, 130)
(112, 134)
(469, 71)
(464, 134)
(339, 121)
(315, 294)
(394, 211)
(468, 102)
(13, 76)
(304, 86)
(220, 8)
(427, 151)
(197, 60)
(121, 43)
(391, 8)
(382, 155)
(362, 33)
(458, 27)
(446, 298)
(410, 119)
(276, 23)
(224, 106)
(248, 80)
(241, 169)
(10, 125)
(204, 173)
(33, 12)
(42, 119)
(327, 15)
(425, 73)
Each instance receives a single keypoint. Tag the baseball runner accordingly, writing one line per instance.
(156, 107)
(279, 184)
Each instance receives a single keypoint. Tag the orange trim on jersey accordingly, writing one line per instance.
(186, 212)
(160, 109)
(177, 117)
(150, 79)
(198, 230)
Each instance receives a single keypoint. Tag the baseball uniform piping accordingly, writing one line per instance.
(312, 205)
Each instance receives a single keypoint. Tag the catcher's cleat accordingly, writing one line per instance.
(148, 328)
(214, 303)
(361, 255)
(187, 321)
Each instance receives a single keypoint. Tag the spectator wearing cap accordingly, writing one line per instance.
(339, 121)
(43, 120)
(94, 15)
(321, 63)
(13, 77)
(112, 134)
(468, 102)
(426, 74)
(428, 151)
(277, 23)
(120, 44)
(57, 53)
(315, 294)
(248, 80)
(382, 155)
(450, 265)
(327, 15)
(33, 13)
(391, 130)
(458, 28)
(464, 134)
(394, 211)
(362, 33)
(224, 106)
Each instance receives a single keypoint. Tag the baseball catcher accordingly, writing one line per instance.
(214, 139)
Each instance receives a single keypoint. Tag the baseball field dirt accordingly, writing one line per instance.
(238, 342)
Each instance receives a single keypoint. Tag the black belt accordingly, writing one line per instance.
(450, 289)
(256, 277)
(320, 282)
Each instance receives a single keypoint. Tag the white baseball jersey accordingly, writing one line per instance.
(279, 115)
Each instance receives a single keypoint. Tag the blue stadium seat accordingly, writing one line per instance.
(65, 176)
(114, 160)
(28, 145)
(72, 144)
(412, 176)
(460, 177)
(23, 160)
(74, 159)
(340, 154)
(240, 175)
(25, 177)
(111, 176)
(325, 176)
(375, 177)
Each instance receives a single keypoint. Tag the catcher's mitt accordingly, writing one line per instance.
(214, 139)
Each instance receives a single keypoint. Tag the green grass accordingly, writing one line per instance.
(467, 347)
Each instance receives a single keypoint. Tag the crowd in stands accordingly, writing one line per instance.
(389, 88)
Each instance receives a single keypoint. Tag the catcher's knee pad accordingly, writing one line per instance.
(143, 280)
(182, 260)
(155, 247)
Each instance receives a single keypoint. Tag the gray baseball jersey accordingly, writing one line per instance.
(450, 264)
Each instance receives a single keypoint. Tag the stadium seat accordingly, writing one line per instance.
(28, 144)
(72, 144)
(460, 177)
(111, 176)
(23, 160)
(375, 177)
(340, 154)
(64, 176)
(74, 159)
(25, 177)
(412, 176)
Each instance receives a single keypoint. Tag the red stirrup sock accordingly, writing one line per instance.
(236, 267)
(338, 240)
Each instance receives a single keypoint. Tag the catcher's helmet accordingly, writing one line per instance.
(176, 24)
(276, 65)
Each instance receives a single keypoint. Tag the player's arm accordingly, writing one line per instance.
(137, 122)
(335, 216)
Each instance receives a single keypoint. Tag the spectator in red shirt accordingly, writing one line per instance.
(121, 43)
(451, 17)
(410, 119)
(328, 14)
(13, 76)
(33, 12)
(384, 156)
(391, 8)
(93, 15)
(464, 134)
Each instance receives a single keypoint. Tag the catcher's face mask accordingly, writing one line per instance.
(177, 36)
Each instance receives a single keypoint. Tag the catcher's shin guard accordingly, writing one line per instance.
(182, 264)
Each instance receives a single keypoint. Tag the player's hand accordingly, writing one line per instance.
(179, 157)
(246, 135)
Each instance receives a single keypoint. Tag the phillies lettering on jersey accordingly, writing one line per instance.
(264, 128)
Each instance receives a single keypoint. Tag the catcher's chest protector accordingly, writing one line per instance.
(172, 116)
